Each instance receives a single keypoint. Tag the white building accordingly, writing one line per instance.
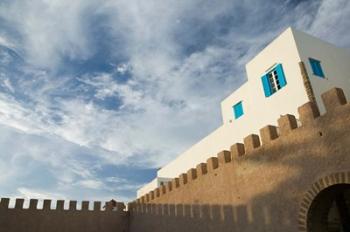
(275, 87)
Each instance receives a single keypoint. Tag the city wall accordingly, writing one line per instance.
(265, 184)
(59, 219)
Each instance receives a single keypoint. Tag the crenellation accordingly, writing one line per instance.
(192, 174)
(162, 189)
(169, 186)
(85, 205)
(224, 157)
(175, 182)
(152, 194)
(333, 99)
(251, 142)
(72, 205)
(19, 203)
(212, 163)
(237, 150)
(157, 192)
(268, 133)
(308, 112)
(47, 204)
(287, 123)
(183, 179)
(60, 205)
(33, 204)
(4, 203)
(201, 169)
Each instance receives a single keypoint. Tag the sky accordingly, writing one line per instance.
(96, 95)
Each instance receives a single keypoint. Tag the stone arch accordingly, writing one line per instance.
(325, 182)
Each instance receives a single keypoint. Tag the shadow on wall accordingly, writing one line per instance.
(169, 217)
(255, 187)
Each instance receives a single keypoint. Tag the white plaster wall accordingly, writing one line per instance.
(259, 111)
(335, 63)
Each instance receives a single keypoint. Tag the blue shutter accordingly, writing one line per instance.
(238, 110)
(266, 85)
(316, 67)
(313, 66)
(280, 74)
(319, 69)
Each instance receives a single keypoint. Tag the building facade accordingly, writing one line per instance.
(293, 69)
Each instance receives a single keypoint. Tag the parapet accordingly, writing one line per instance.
(309, 113)
(47, 205)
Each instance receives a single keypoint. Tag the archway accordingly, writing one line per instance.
(330, 210)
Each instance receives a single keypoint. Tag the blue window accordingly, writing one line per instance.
(238, 110)
(316, 67)
(274, 80)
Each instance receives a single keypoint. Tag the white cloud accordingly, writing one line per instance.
(50, 29)
(333, 22)
(4, 42)
(92, 184)
(38, 194)
(122, 68)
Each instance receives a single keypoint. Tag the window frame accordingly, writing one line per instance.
(273, 80)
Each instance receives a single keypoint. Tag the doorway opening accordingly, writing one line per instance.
(330, 210)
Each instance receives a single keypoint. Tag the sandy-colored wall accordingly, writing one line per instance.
(256, 187)
(60, 220)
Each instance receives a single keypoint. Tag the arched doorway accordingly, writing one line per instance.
(330, 210)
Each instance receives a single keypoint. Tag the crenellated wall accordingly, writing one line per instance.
(267, 183)
(262, 184)
(48, 219)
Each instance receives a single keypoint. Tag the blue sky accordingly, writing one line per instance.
(96, 95)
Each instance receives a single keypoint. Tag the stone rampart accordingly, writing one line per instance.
(59, 219)
(266, 183)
